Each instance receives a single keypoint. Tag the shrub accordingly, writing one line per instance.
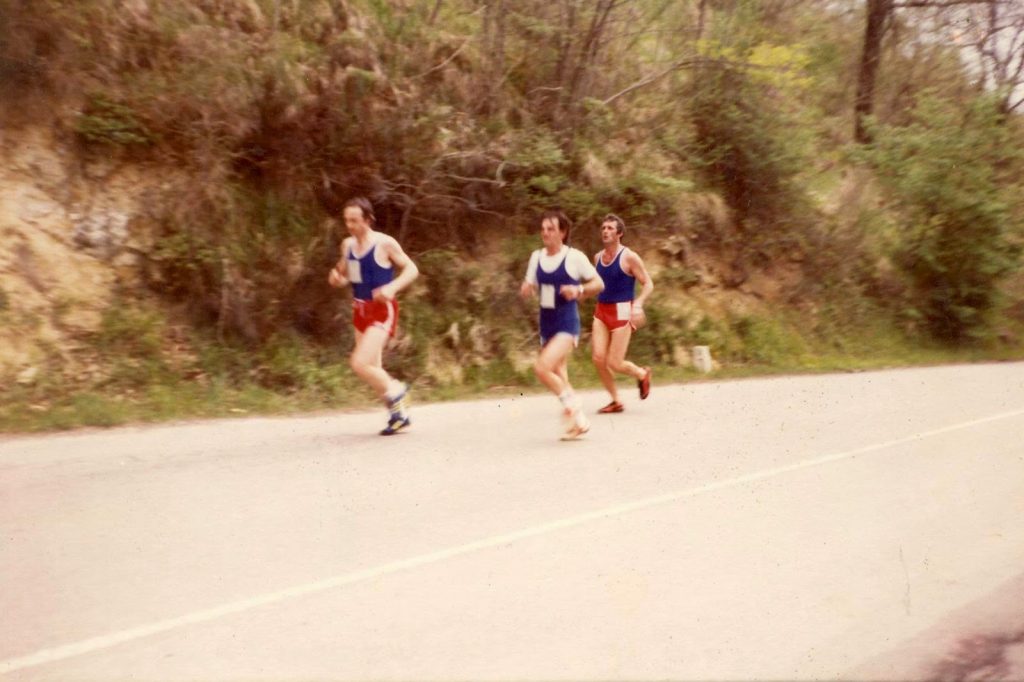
(768, 341)
(130, 331)
(949, 173)
(106, 122)
(745, 146)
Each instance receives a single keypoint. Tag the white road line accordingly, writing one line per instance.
(85, 646)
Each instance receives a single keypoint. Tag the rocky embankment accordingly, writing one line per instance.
(69, 237)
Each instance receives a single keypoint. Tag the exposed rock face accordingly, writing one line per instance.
(66, 236)
(75, 230)
(101, 233)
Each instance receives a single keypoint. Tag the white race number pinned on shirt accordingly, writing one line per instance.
(547, 295)
(623, 310)
(355, 273)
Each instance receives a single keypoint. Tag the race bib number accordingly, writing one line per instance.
(622, 310)
(547, 295)
(355, 273)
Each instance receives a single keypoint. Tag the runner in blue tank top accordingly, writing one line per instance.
(560, 276)
(618, 314)
(368, 261)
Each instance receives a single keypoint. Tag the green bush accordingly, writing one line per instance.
(768, 341)
(656, 342)
(949, 173)
(285, 363)
(106, 122)
(750, 150)
(538, 168)
(130, 341)
(128, 331)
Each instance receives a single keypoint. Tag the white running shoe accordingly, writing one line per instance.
(576, 425)
(568, 418)
(576, 431)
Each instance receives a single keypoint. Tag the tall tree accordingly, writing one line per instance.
(565, 41)
(493, 40)
(586, 53)
(878, 16)
(879, 13)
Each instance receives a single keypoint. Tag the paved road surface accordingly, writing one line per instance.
(790, 528)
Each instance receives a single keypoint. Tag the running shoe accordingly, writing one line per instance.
(568, 418)
(396, 423)
(644, 384)
(612, 407)
(571, 406)
(580, 426)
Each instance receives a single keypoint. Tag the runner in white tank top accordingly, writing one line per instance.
(562, 276)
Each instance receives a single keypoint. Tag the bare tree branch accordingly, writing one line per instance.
(452, 56)
(939, 4)
(434, 13)
(463, 178)
(677, 66)
(647, 80)
(995, 35)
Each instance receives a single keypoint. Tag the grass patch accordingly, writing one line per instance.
(24, 411)
(146, 379)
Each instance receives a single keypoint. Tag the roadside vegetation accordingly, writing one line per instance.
(808, 199)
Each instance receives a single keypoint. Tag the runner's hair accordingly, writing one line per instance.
(363, 204)
(564, 224)
(620, 226)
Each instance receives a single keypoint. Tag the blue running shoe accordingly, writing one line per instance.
(396, 422)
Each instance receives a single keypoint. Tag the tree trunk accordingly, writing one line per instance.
(565, 42)
(878, 12)
(493, 41)
(498, 46)
(434, 13)
(573, 87)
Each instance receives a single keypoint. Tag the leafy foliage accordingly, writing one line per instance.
(106, 122)
(718, 122)
(947, 173)
(751, 151)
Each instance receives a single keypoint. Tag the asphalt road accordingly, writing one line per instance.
(813, 527)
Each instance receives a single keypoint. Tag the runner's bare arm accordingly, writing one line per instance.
(576, 292)
(529, 286)
(636, 268)
(409, 271)
(336, 278)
